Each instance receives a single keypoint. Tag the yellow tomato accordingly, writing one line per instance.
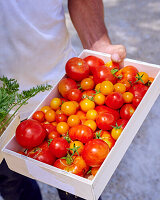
(50, 115)
(87, 105)
(127, 97)
(98, 86)
(45, 108)
(116, 132)
(55, 103)
(73, 120)
(99, 99)
(119, 87)
(62, 128)
(76, 146)
(92, 114)
(87, 84)
(142, 77)
(106, 87)
(91, 123)
(68, 108)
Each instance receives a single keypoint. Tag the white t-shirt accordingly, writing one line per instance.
(34, 42)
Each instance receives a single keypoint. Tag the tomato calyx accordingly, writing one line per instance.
(74, 149)
(89, 171)
(114, 71)
(98, 134)
(49, 141)
(117, 127)
(66, 137)
(139, 78)
(69, 159)
(88, 97)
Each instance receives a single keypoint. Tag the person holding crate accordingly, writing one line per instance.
(35, 46)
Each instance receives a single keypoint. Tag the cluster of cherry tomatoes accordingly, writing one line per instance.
(79, 128)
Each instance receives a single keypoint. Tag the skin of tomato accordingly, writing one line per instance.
(61, 118)
(122, 122)
(106, 87)
(91, 123)
(76, 144)
(87, 84)
(59, 147)
(62, 128)
(93, 62)
(73, 120)
(87, 105)
(116, 133)
(119, 87)
(104, 108)
(102, 73)
(114, 100)
(138, 90)
(94, 170)
(39, 116)
(92, 114)
(127, 97)
(106, 137)
(105, 121)
(82, 133)
(99, 99)
(30, 133)
(49, 128)
(65, 85)
(55, 103)
(127, 111)
(77, 69)
(68, 108)
(74, 95)
(81, 115)
(50, 116)
(45, 109)
(53, 134)
(95, 152)
(136, 101)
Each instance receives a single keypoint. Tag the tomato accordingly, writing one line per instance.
(50, 116)
(97, 87)
(82, 133)
(127, 97)
(114, 100)
(106, 137)
(73, 120)
(91, 123)
(127, 111)
(112, 65)
(87, 84)
(142, 77)
(55, 103)
(53, 135)
(102, 73)
(62, 128)
(138, 90)
(74, 95)
(103, 108)
(39, 116)
(81, 115)
(65, 85)
(94, 170)
(59, 147)
(150, 81)
(76, 166)
(92, 114)
(49, 128)
(136, 101)
(45, 108)
(76, 147)
(95, 151)
(77, 69)
(93, 62)
(116, 132)
(68, 108)
(61, 118)
(88, 94)
(122, 123)
(119, 87)
(127, 76)
(87, 105)
(105, 121)
(106, 87)
(42, 153)
(99, 99)
(30, 133)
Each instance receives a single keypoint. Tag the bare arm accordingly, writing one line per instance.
(88, 18)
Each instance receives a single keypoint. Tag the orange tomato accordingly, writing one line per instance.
(116, 132)
(99, 99)
(68, 108)
(106, 87)
(91, 123)
(87, 105)
(98, 86)
(76, 146)
(106, 136)
(94, 170)
(45, 108)
(142, 77)
(55, 103)
(112, 65)
(62, 128)
(50, 116)
(92, 114)
(87, 84)
(73, 120)
(119, 87)
(127, 97)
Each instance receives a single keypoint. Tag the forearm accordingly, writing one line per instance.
(88, 19)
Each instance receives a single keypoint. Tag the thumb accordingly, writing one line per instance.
(116, 58)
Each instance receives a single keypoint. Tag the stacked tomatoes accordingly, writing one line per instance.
(79, 128)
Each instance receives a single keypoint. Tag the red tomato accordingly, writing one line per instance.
(122, 122)
(93, 62)
(65, 85)
(95, 152)
(42, 153)
(136, 101)
(114, 100)
(82, 133)
(102, 73)
(105, 121)
(61, 118)
(88, 94)
(59, 147)
(39, 116)
(77, 166)
(127, 111)
(127, 76)
(112, 65)
(138, 90)
(77, 69)
(53, 134)
(30, 133)
(103, 108)
(74, 95)
(49, 128)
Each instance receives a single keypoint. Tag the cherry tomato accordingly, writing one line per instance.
(87, 105)
(150, 81)
(136, 101)
(30, 133)
(95, 151)
(127, 111)
(91, 123)
(127, 97)
(49, 128)
(92, 114)
(65, 85)
(73, 120)
(88, 94)
(94, 170)
(105, 121)
(112, 65)
(68, 108)
(119, 87)
(45, 109)
(138, 90)
(106, 87)
(93, 62)
(50, 116)
(99, 99)
(114, 100)
(82, 133)
(122, 123)
(53, 134)
(87, 84)
(55, 103)
(59, 147)
(142, 77)
(76, 146)
(74, 95)
(97, 87)
(77, 69)
(61, 118)
(116, 132)
(62, 128)
(39, 116)
(106, 137)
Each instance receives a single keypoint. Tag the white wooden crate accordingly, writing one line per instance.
(87, 189)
